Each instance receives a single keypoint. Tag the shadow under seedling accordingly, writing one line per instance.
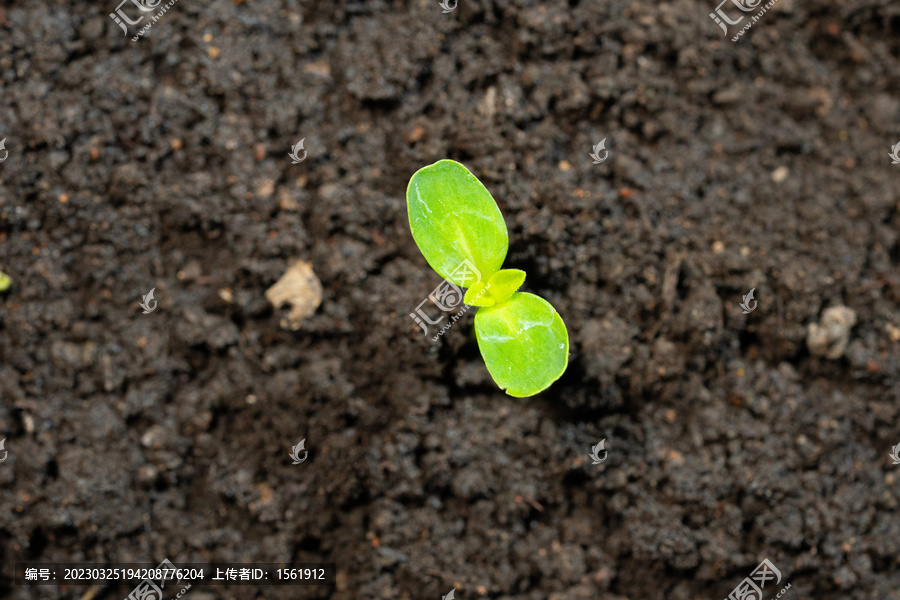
(459, 228)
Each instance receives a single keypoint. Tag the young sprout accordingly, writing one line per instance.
(460, 231)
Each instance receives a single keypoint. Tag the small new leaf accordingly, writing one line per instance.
(478, 295)
(504, 284)
(496, 290)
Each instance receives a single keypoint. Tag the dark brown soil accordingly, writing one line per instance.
(163, 164)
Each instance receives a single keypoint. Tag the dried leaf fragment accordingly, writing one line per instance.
(300, 288)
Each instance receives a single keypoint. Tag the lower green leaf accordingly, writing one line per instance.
(524, 344)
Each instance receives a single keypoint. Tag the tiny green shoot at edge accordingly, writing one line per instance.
(455, 221)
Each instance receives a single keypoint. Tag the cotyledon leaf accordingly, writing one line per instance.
(524, 344)
(454, 220)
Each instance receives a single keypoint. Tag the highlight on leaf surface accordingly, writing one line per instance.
(460, 231)
(453, 218)
(524, 344)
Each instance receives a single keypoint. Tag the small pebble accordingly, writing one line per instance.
(415, 135)
(780, 174)
(147, 475)
(676, 457)
(259, 151)
(829, 336)
(893, 333)
(266, 189)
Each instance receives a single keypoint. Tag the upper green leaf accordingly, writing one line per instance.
(454, 219)
(524, 344)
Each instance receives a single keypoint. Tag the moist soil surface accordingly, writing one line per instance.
(163, 164)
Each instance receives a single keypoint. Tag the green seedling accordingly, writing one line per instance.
(458, 227)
